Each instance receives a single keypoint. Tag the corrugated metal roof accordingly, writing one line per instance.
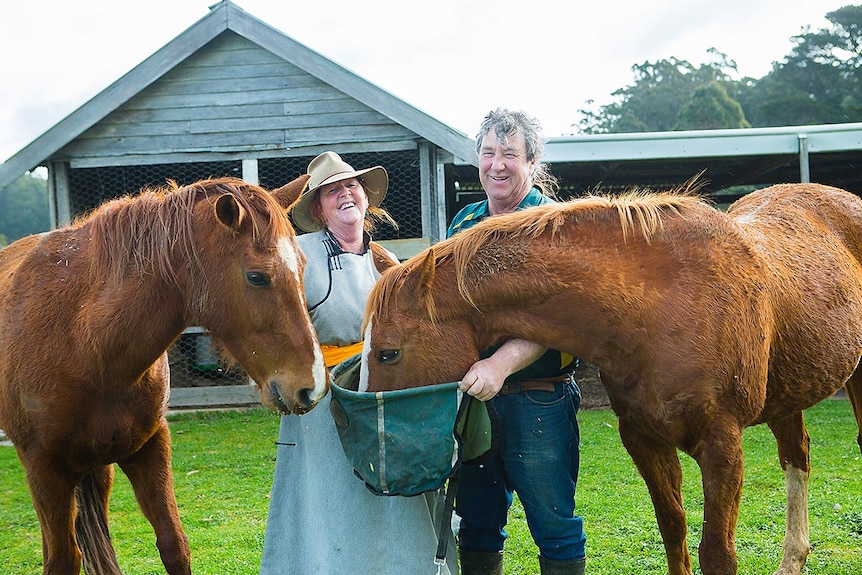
(704, 143)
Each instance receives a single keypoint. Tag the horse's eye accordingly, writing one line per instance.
(388, 355)
(257, 278)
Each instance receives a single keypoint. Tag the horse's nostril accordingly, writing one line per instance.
(303, 397)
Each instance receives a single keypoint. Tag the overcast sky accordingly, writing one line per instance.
(453, 59)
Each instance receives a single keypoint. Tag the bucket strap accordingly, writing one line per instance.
(446, 522)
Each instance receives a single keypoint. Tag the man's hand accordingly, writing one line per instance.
(485, 378)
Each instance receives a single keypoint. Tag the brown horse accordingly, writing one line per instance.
(702, 323)
(86, 314)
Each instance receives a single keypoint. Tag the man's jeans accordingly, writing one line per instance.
(538, 459)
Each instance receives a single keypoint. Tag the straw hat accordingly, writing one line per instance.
(328, 168)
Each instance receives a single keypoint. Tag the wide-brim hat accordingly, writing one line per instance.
(328, 168)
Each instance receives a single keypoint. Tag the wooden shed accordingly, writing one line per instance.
(233, 96)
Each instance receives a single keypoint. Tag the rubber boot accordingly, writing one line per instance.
(480, 562)
(554, 567)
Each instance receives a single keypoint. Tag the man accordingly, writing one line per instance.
(529, 388)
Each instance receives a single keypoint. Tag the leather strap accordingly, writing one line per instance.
(446, 522)
(544, 384)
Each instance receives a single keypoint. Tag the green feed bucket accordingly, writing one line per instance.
(399, 442)
(408, 441)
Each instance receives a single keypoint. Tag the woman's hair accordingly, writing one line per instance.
(508, 123)
(373, 215)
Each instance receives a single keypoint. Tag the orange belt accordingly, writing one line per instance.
(334, 354)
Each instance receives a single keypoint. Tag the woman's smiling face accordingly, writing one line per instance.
(343, 203)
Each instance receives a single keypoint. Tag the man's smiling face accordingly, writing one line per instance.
(504, 171)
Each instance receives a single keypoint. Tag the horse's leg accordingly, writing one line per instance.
(853, 387)
(53, 490)
(104, 481)
(658, 464)
(149, 472)
(793, 444)
(719, 454)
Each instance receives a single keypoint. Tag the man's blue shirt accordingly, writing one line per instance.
(472, 214)
(553, 362)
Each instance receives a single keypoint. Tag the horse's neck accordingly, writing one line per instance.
(544, 293)
(140, 312)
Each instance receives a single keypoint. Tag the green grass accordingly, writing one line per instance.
(223, 465)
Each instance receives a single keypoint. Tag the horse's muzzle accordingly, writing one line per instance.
(303, 404)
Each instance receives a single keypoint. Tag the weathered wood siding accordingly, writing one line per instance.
(233, 97)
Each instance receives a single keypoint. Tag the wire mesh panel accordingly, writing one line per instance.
(90, 187)
(403, 201)
(193, 361)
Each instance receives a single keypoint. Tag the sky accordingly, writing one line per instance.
(453, 59)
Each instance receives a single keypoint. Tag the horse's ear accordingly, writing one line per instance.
(382, 260)
(426, 276)
(287, 194)
(229, 212)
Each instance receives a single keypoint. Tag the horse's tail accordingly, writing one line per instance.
(91, 528)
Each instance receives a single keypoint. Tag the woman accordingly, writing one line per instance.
(322, 518)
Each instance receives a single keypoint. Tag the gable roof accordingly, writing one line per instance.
(222, 17)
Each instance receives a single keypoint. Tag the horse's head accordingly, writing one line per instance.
(407, 342)
(248, 290)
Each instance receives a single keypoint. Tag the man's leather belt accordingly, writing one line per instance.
(545, 384)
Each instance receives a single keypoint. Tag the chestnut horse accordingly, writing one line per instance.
(86, 314)
(701, 323)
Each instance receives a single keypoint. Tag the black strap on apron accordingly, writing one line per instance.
(446, 521)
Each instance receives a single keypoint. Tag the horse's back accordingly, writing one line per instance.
(25, 273)
(11, 257)
(807, 236)
(807, 239)
(805, 209)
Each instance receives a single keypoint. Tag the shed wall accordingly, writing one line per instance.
(232, 97)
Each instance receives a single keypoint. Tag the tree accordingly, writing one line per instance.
(23, 208)
(818, 82)
(661, 91)
(710, 108)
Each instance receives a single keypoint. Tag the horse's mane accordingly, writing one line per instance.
(635, 208)
(145, 229)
